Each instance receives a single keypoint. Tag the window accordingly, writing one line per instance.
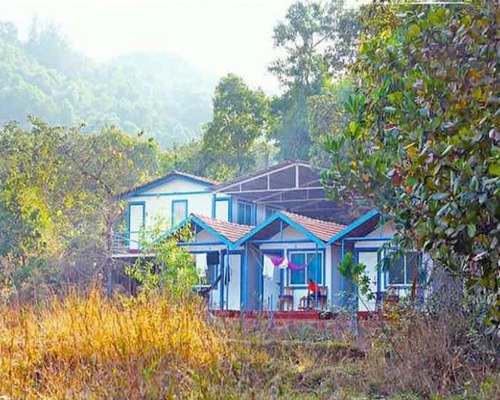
(245, 213)
(222, 209)
(400, 269)
(136, 221)
(270, 211)
(179, 211)
(313, 270)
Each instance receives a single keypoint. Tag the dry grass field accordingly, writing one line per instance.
(155, 347)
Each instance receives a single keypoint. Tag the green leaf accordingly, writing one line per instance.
(471, 230)
(494, 169)
(413, 31)
(353, 127)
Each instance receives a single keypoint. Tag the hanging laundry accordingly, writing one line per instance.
(284, 265)
(296, 267)
(268, 268)
(277, 260)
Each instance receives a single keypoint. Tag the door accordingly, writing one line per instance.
(271, 283)
(370, 259)
(135, 224)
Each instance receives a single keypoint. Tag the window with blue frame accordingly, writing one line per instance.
(402, 269)
(179, 211)
(313, 262)
(245, 213)
(222, 209)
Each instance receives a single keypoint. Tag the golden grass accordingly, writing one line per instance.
(92, 345)
(154, 347)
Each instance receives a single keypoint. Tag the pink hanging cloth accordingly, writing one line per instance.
(277, 260)
(295, 267)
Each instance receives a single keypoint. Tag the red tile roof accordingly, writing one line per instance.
(324, 230)
(229, 230)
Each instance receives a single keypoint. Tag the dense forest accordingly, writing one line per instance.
(157, 94)
(170, 101)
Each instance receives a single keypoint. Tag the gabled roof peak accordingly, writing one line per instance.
(227, 232)
(318, 231)
(323, 230)
(166, 178)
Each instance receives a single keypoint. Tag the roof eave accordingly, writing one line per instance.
(197, 221)
(160, 181)
(354, 225)
(220, 187)
(311, 236)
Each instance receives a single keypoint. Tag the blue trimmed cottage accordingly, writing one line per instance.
(281, 213)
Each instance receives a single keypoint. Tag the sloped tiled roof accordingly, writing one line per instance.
(229, 230)
(323, 230)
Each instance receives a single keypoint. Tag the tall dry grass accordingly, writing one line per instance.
(89, 347)
(158, 347)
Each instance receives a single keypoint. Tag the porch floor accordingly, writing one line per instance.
(290, 315)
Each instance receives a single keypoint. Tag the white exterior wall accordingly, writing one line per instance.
(158, 201)
(232, 289)
(386, 230)
(370, 259)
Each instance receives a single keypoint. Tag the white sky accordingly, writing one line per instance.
(216, 36)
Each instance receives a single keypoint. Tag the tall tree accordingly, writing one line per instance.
(327, 116)
(57, 198)
(422, 138)
(318, 41)
(242, 118)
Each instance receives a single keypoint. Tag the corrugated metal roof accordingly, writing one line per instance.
(230, 230)
(239, 179)
(323, 230)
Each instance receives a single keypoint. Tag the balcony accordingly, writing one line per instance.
(128, 245)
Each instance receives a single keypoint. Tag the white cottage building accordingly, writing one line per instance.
(261, 238)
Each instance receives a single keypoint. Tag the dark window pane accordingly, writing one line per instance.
(396, 269)
(314, 267)
(298, 277)
(244, 213)
(412, 264)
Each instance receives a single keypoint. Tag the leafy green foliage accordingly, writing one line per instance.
(421, 140)
(57, 196)
(357, 275)
(327, 116)
(318, 41)
(233, 140)
(171, 268)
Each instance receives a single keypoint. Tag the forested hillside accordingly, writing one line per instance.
(155, 93)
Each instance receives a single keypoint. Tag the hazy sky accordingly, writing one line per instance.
(217, 36)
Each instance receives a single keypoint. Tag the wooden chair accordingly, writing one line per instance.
(286, 300)
(304, 303)
(315, 301)
(323, 297)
